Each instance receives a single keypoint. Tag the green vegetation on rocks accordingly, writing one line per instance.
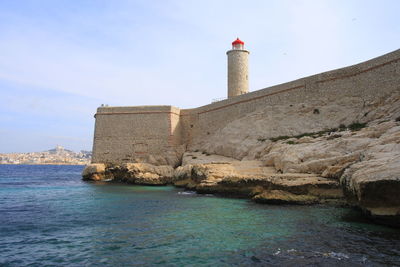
(356, 126)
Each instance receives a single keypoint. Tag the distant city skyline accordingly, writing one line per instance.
(57, 155)
(60, 60)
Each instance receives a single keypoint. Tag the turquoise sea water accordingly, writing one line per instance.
(49, 217)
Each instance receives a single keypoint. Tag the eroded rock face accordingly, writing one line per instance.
(374, 183)
(364, 160)
(367, 162)
(171, 157)
(147, 174)
(135, 173)
(240, 139)
(363, 163)
(284, 197)
(252, 179)
(94, 172)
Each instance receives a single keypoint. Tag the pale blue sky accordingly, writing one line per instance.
(59, 60)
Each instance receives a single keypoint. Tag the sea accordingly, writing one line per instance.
(50, 217)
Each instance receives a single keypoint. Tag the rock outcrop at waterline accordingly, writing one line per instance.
(94, 172)
(306, 141)
(359, 163)
(254, 180)
(358, 160)
(134, 173)
(228, 177)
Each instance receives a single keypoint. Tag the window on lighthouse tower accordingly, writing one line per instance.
(238, 47)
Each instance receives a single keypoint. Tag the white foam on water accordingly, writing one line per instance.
(338, 255)
(187, 193)
(278, 252)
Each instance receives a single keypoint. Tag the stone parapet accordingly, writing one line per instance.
(159, 134)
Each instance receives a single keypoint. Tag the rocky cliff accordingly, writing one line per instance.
(357, 162)
(342, 148)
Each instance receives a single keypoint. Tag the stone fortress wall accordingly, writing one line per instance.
(129, 134)
(160, 134)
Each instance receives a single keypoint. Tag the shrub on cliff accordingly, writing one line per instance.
(356, 126)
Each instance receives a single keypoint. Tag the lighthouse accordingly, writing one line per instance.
(238, 74)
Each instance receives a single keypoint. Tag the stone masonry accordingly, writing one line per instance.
(160, 134)
(238, 73)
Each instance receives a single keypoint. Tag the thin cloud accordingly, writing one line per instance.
(166, 52)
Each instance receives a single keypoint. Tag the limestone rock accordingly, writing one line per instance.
(94, 172)
(197, 157)
(335, 171)
(148, 174)
(365, 160)
(250, 178)
(248, 137)
(183, 172)
(315, 166)
(374, 184)
(283, 197)
(170, 157)
(136, 173)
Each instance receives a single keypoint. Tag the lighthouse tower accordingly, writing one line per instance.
(238, 75)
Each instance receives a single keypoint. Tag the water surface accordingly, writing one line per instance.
(48, 216)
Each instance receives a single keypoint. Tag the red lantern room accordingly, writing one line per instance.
(238, 44)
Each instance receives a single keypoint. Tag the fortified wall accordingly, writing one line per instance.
(160, 134)
(137, 134)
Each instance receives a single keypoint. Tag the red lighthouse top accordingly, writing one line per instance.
(238, 42)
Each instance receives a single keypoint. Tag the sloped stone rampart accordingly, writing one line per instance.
(160, 134)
